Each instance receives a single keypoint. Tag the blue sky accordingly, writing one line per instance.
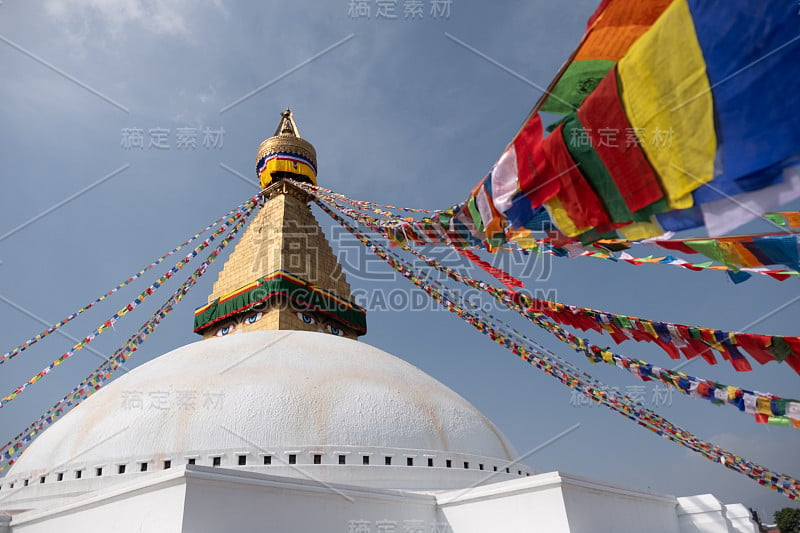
(401, 111)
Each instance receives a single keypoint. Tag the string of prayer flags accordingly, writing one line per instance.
(94, 381)
(675, 339)
(227, 218)
(766, 408)
(740, 255)
(581, 382)
(772, 409)
(133, 304)
(380, 208)
(737, 275)
(454, 228)
(774, 417)
(745, 252)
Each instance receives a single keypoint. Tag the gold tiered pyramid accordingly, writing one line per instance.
(282, 274)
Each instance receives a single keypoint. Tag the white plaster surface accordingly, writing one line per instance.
(558, 502)
(198, 499)
(275, 392)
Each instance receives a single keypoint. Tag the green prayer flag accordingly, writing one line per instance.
(779, 348)
(779, 421)
(588, 237)
(775, 218)
(623, 321)
(476, 215)
(579, 80)
(709, 248)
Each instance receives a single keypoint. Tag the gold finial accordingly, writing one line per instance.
(286, 155)
(287, 125)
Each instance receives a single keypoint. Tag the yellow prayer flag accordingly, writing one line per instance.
(560, 218)
(667, 97)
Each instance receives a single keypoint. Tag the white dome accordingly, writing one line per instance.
(271, 393)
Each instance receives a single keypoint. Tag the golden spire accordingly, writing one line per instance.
(286, 154)
(282, 274)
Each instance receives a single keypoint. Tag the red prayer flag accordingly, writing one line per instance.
(695, 347)
(755, 345)
(606, 123)
(533, 181)
(793, 359)
(670, 348)
(704, 389)
(676, 246)
(777, 275)
(579, 200)
(618, 336)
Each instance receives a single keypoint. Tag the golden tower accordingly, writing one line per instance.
(282, 274)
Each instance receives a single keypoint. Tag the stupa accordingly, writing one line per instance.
(280, 419)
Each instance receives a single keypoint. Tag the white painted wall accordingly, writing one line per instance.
(594, 507)
(706, 514)
(556, 502)
(740, 519)
(530, 504)
(202, 499)
(216, 503)
(154, 507)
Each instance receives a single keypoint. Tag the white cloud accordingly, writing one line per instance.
(162, 17)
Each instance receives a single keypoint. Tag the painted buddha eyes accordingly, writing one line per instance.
(249, 319)
(252, 319)
(329, 328)
(308, 319)
(255, 317)
(224, 330)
